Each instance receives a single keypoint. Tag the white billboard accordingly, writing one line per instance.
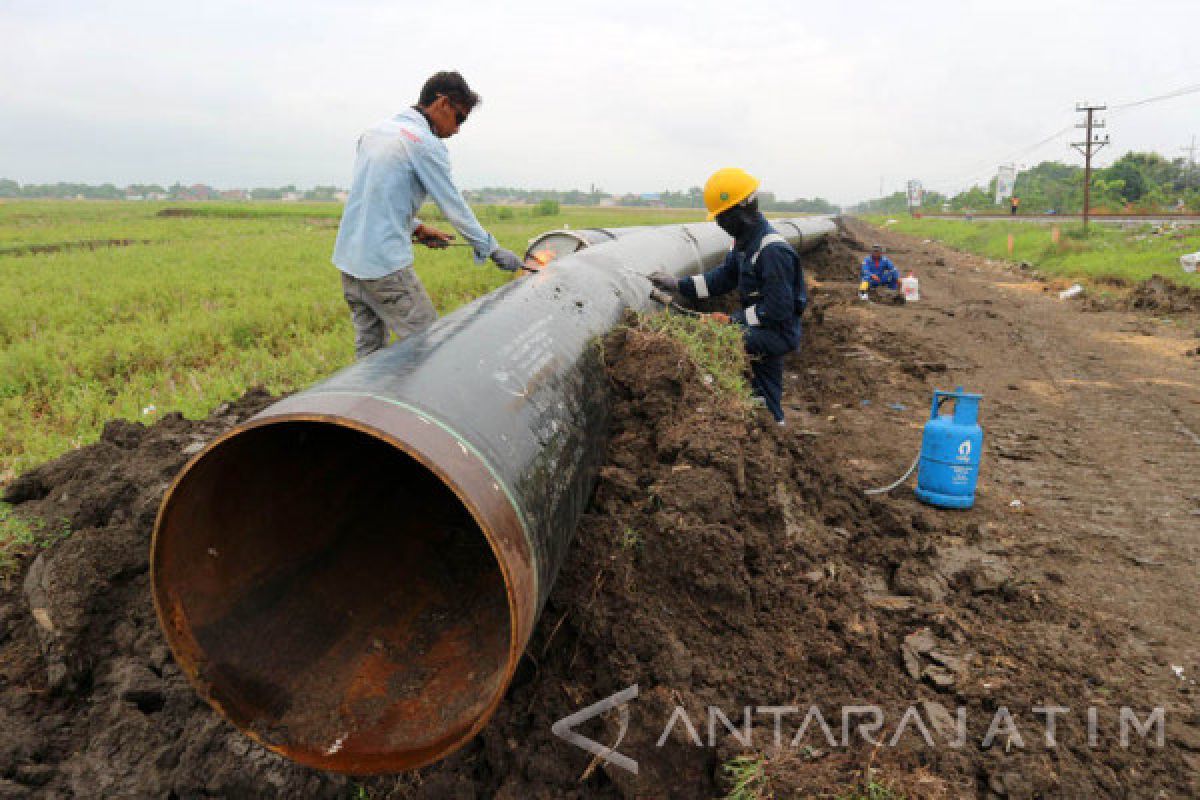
(1006, 178)
(916, 193)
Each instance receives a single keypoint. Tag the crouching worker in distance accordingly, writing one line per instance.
(766, 272)
(878, 272)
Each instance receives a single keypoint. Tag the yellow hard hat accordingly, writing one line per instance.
(726, 188)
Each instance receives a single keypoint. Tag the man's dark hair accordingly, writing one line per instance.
(451, 84)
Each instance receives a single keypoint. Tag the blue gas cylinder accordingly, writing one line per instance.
(950, 451)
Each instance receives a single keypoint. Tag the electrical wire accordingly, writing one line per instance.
(974, 176)
(1195, 87)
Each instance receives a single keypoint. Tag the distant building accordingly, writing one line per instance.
(341, 195)
(291, 197)
(235, 194)
(196, 192)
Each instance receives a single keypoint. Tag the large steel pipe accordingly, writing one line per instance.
(352, 575)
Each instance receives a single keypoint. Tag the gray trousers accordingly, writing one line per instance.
(397, 303)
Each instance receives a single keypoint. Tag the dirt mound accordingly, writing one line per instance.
(1156, 294)
(91, 703)
(835, 259)
(1160, 294)
(723, 563)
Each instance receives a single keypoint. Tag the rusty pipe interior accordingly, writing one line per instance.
(333, 596)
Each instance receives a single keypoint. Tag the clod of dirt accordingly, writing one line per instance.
(1159, 294)
(1156, 294)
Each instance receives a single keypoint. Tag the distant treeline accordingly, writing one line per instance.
(1139, 182)
(153, 191)
(692, 198)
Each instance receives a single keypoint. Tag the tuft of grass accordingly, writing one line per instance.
(747, 777)
(871, 789)
(631, 539)
(716, 350)
(23, 534)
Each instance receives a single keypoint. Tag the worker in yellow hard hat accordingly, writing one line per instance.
(764, 269)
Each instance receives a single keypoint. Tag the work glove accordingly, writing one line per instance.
(719, 317)
(664, 280)
(505, 259)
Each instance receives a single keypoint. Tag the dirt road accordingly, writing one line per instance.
(1091, 465)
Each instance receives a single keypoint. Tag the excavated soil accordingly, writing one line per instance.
(91, 704)
(1156, 294)
(1159, 294)
(724, 562)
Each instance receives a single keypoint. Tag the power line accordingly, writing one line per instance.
(985, 168)
(1156, 98)
(973, 176)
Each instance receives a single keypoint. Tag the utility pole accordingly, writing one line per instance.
(1088, 147)
(1191, 151)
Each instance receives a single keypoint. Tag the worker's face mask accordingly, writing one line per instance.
(739, 219)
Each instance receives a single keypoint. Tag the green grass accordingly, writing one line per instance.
(631, 539)
(22, 534)
(212, 306)
(717, 351)
(872, 790)
(1108, 252)
(746, 777)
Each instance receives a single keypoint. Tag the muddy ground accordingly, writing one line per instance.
(727, 563)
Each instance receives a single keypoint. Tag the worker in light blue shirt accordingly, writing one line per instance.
(400, 163)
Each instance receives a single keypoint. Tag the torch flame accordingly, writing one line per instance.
(539, 259)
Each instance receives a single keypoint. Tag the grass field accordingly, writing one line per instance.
(1130, 254)
(195, 311)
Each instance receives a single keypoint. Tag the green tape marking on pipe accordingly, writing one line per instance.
(425, 415)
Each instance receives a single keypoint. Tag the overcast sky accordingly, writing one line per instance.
(816, 99)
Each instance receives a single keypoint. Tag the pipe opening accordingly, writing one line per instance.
(332, 597)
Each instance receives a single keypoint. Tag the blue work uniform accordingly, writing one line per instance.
(880, 272)
(770, 284)
(399, 163)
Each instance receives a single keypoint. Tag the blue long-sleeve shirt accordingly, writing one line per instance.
(771, 290)
(400, 162)
(880, 273)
